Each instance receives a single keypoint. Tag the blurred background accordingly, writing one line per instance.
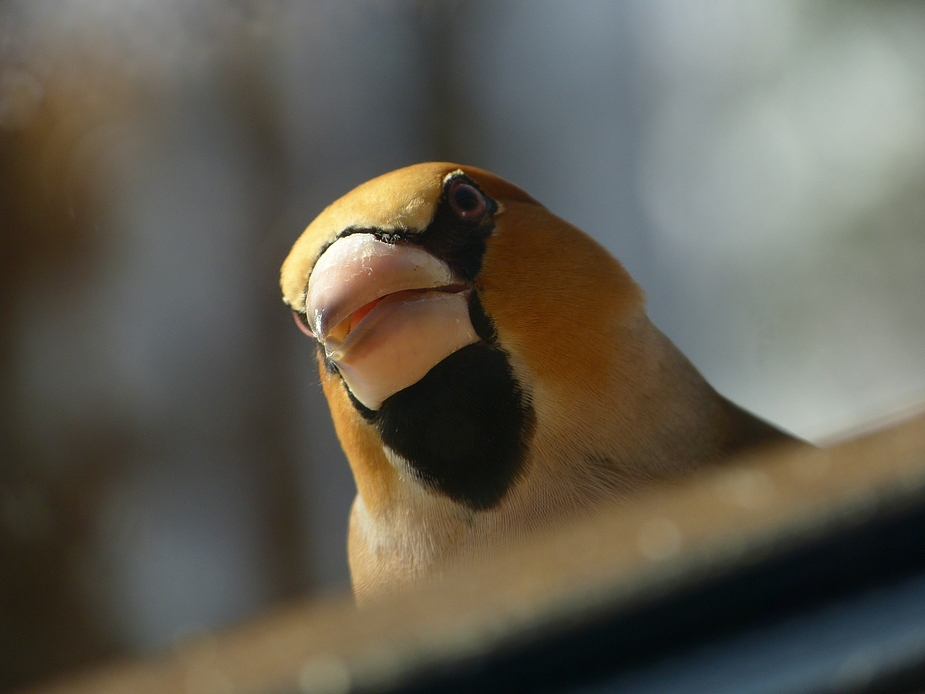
(167, 464)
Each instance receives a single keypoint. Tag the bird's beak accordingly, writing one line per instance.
(386, 313)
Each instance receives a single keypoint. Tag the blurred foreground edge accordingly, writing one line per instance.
(789, 570)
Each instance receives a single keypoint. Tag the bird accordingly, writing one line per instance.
(490, 370)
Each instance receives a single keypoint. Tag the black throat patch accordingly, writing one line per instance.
(464, 428)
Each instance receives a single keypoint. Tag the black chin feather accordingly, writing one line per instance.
(464, 428)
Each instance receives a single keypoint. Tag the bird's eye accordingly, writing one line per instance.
(466, 201)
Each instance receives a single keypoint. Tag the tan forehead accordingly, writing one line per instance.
(402, 199)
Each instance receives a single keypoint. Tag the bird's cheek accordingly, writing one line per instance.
(399, 341)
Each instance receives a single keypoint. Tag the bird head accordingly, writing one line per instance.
(489, 368)
(452, 312)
